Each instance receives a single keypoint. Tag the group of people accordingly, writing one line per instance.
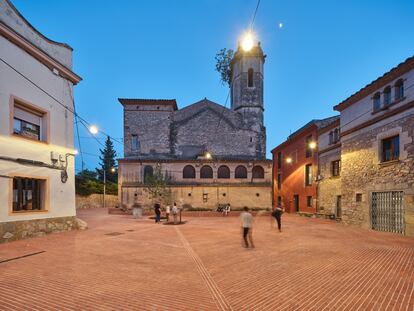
(168, 210)
(247, 223)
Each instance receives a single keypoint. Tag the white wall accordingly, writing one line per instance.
(361, 111)
(62, 196)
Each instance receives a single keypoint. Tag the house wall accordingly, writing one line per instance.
(293, 174)
(362, 170)
(60, 197)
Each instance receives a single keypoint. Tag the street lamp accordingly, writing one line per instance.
(207, 155)
(312, 145)
(113, 170)
(288, 160)
(93, 129)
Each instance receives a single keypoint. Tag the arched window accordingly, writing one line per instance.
(258, 172)
(223, 172)
(377, 101)
(241, 172)
(387, 95)
(206, 172)
(399, 89)
(189, 171)
(148, 171)
(250, 77)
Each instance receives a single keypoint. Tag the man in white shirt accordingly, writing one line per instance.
(247, 226)
(175, 212)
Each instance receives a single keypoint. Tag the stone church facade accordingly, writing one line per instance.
(210, 154)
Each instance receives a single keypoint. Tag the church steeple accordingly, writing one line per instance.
(247, 85)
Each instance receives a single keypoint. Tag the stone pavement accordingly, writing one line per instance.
(126, 264)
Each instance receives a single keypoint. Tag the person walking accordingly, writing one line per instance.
(247, 227)
(157, 209)
(277, 213)
(175, 212)
(167, 212)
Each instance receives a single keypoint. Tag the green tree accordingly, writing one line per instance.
(86, 183)
(223, 65)
(108, 155)
(157, 185)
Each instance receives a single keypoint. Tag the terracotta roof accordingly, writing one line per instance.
(148, 101)
(386, 78)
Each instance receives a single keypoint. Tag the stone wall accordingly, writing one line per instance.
(257, 196)
(17, 230)
(363, 173)
(329, 187)
(96, 201)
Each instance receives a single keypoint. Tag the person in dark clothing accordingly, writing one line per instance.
(157, 208)
(277, 213)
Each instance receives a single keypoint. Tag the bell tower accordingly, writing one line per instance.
(247, 85)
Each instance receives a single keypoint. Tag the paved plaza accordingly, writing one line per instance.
(124, 264)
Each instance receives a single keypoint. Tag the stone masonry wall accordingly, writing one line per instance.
(96, 201)
(329, 187)
(363, 173)
(17, 230)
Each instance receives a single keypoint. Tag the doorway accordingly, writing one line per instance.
(338, 213)
(296, 202)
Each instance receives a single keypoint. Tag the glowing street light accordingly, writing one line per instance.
(93, 129)
(113, 169)
(248, 41)
(208, 155)
(289, 160)
(312, 145)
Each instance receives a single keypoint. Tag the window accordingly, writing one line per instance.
(279, 181)
(279, 160)
(258, 172)
(206, 172)
(189, 171)
(358, 197)
(223, 172)
(28, 194)
(205, 197)
(335, 136)
(309, 201)
(148, 172)
(308, 175)
(377, 101)
(399, 89)
(331, 140)
(308, 153)
(29, 122)
(241, 172)
(250, 77)
(390, 149)
(387, 95)
(336, 168)
(135, 144)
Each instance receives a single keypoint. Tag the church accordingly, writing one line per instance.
(209, 154)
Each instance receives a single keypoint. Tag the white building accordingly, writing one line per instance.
(36, 130)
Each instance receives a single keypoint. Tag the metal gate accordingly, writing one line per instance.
(387, 211)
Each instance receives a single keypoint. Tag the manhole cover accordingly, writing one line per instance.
(114, 233)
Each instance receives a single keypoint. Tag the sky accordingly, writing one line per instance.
(324, 52)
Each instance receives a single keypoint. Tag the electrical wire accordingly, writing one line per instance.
(254, 15)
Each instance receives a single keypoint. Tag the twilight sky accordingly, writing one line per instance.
(325, 51)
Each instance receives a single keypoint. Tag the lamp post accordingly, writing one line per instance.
(104, 180)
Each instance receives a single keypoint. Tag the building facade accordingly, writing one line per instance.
(295, 168)
(211, 154)
(36, 130)
(377, 153)
(329, 171)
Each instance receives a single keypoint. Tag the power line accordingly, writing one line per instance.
(254, 15)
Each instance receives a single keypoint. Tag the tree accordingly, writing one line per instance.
(223, 65)
(108, 155)
(157, 185)
(86, 183)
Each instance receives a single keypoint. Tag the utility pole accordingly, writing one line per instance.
(104, 177)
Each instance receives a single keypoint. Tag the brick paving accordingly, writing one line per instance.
(124, 264)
